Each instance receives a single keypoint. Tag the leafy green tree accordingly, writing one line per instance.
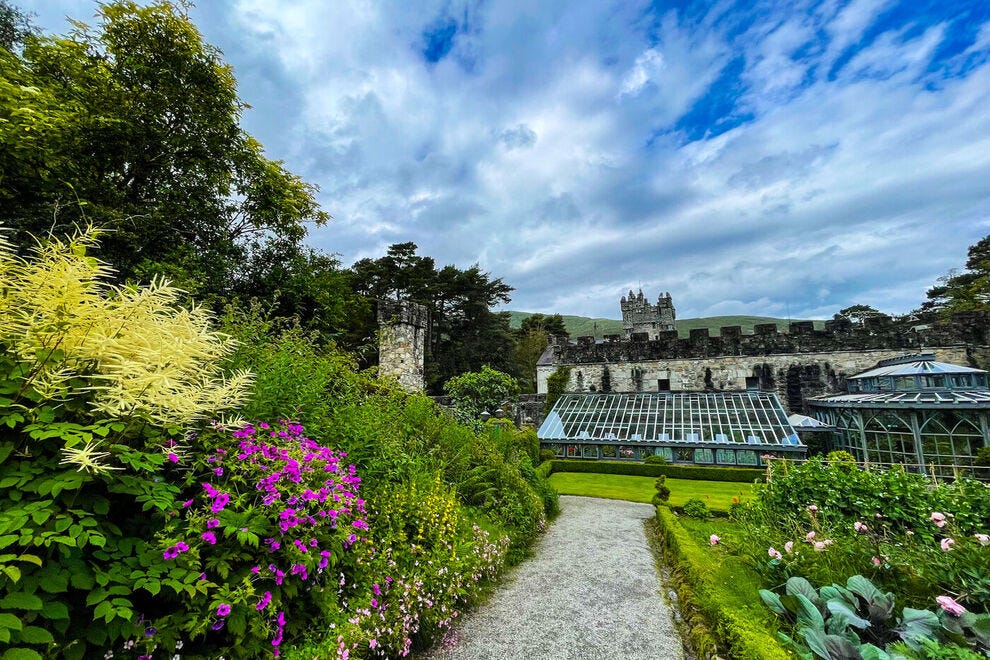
(464, 334)
(531, 341)
(15, 26)
(860, 314)
(552, 325)
(133, 125)
(481, 391)
(964, 291)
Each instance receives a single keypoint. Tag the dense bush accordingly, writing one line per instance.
(696, 508)
(739, 475)
(129, 524)
(476, 392)
(827, 521)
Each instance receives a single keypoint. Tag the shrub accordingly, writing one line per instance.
(556, 386)
(655, 459)
(663, 492)
(97, 385)
(546, 455)
(738, 475)
(696, 508)
(476, 392)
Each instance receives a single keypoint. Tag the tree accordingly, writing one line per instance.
(464, 334)
(531, 341)
(15, 26)
(859, 314)
(552, 325)
(481, 391)
(134, 126)
(964, 291)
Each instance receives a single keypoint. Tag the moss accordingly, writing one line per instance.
(719, 599)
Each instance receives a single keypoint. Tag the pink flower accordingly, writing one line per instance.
(223, 609)
(809, 537)
(774, 553)
(789, 547)
(210, 538)
(828, 542)
(813, 509)
(860, 527)
(938, 519)
(947, 544)
(950, 606)
(173, 458)
(819, 546)
(212, 523)
(876, 561)
(713, 539)
(984, 539)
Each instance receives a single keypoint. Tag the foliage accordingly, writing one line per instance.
(656, 459)
(860, 314)
(982, 456)
(968, 290)
(549, 324)
(859, 620)
(134, 125)
(717, 595)
(15, 26)
(663, 491)
(737, 475)
(465, 333)
(696, 508)
(556, 386)
(481, 391)
(718, 495)
(826, 521)
(94, 383)
(841, 456)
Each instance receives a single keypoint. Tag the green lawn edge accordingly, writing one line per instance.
(716, 625)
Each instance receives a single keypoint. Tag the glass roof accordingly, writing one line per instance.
(915, 365)
(921, 398)
(754, 418)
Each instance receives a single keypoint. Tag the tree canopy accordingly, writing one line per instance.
(133, 125)
(964, 291)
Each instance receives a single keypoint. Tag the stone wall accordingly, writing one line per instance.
(402, 344)
(801, 363)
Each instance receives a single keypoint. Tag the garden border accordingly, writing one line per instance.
(730, 474)
(711, 625)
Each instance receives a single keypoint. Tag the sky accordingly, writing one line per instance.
(770, 158)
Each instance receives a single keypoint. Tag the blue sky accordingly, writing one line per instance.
(784, 159)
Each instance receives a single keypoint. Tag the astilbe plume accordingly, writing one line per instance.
(143, 354)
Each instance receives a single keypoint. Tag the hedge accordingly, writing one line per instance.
(716, 625)
(545, 469)
(733, 474)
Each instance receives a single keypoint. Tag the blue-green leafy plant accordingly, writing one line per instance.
(859, 620)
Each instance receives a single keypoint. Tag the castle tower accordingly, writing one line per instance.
(402, 342)
(638, 315)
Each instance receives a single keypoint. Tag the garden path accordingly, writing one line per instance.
(589, 592)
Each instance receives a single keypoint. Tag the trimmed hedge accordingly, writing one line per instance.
(716, 625)
(544, 469)
(732, 474)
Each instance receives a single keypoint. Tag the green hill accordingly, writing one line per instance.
(581, 326)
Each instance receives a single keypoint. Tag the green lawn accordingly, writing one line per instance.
(717, 494)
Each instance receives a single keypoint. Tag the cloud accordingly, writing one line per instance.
(743, 156)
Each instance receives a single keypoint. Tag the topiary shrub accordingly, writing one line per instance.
(655, 459)
(662, 495)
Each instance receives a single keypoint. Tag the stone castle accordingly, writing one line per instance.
(639, 316)
(797, 364)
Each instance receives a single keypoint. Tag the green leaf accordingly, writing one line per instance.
(20, 654)
(39, 517)
(799, 585)
(55, 610)
(5, 449)
(772, 600)
(809, 616)
(841, 608)
(917, 624)
(870, 652)
(10, 621)
(815, 639)
(31, 559)
(13, 573)
(36, 635)
(21, 601)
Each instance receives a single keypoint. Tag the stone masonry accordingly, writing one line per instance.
(801, 363)
(638, 315)
(402, 342)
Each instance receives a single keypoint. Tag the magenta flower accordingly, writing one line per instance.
(212, 523)
(947, 544)
(265, 600)
(713, 539)
(210, 538)
(223, 609)
(950, 605)
(173, 458)
(876, 561)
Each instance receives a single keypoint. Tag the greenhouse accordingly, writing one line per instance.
(931, 416)
(709, 428)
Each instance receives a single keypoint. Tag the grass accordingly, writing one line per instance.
(718, 591)
(716, 494)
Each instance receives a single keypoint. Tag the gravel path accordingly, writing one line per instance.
(589, 592)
